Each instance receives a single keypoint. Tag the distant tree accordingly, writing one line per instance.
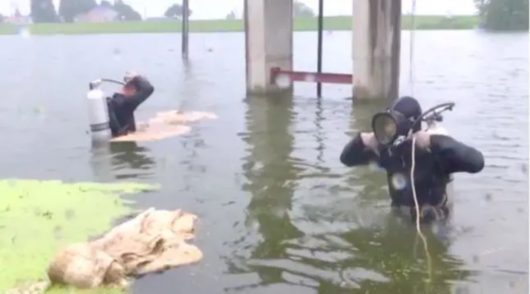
(481, 6)
(69, 9)
(176, 11)
(2, 18)
(43, 11)
(126, 12)
(300, 9)
(106, 4)
(503, 15)
(231, 15)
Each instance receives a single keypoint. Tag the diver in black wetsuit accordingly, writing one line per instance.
(437, 157)
(122, 105)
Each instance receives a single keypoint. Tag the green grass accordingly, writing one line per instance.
(336, 23)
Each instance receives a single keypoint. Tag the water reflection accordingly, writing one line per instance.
(131, 158)
(121, 160)
(190, 162)
(271, 178)
(319, 132)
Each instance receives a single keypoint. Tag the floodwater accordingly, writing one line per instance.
(278, 211)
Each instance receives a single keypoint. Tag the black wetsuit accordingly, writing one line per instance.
(433, 169)
(121, 108)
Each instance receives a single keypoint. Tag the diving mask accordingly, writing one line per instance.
(388, 126)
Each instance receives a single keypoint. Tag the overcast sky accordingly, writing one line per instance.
(204, 9)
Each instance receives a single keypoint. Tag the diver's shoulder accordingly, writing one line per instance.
(436, 129)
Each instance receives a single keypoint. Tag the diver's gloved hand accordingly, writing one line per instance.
(370, 141)
(129, 76)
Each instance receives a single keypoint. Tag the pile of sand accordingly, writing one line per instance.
(165, 125)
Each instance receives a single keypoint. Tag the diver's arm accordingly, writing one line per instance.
(455, 156)
(144, 91)
(359, 151)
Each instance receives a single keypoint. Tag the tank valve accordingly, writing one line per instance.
(94, 84)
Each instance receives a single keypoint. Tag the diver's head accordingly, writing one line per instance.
(396, 121)
(130, 88)
(410, 109)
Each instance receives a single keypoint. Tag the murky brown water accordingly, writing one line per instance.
(278, 211)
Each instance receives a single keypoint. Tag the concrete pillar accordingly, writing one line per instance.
(269, 42)
(376, 48)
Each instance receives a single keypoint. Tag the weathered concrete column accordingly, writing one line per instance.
(376, 48)
(269, 42)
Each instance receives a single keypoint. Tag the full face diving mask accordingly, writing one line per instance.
(389, 126)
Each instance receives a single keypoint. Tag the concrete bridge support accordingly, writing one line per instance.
(376, 48)
(269, 43)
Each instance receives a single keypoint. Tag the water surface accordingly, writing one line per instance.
(279, 213)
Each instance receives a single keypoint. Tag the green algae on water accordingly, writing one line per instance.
(38, 217)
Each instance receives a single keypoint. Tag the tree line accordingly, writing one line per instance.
(503, 15)
(44, 11)
(494, 14)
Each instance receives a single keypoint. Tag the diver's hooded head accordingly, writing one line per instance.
(410, 108)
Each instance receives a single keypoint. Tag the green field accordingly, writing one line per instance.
(336, 23)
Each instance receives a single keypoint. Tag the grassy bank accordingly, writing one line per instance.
(336, 23)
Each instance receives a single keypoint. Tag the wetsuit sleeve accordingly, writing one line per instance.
(144, 91)
(455, 156)
(355, 153)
